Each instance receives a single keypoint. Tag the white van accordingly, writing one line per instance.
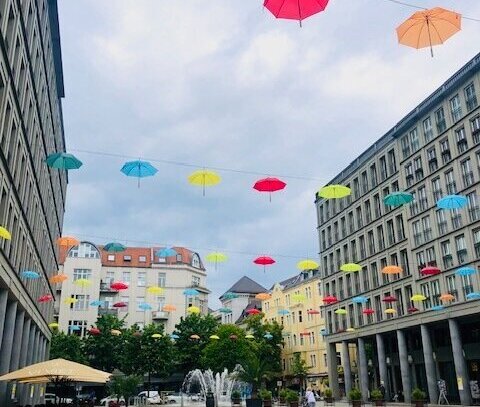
(152, 396)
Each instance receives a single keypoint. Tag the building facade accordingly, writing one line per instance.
(433, 152)
(32, 196)
(87, 292)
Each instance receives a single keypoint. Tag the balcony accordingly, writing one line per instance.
(160, 315)
(107, 311)
(105, 288)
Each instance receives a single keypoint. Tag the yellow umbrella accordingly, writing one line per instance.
(194, 336)
(70, 301)
(418, 298)
(5, 234)
(350, 267)
(350, 329)
(392, 270)
(67, 241)
(53, 325)
(249, 336)
(193, 310)
(341, 311)
(299, 297)
(334, 191)
(154, 289)
(216, 257)
(307, 265)
(447, 297)
(263, 296)
(83, 282)
(216, 337)
(156, 336)
(390, 311)
(204, 178)
(115, 332)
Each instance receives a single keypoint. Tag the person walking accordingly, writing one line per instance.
(310, 397)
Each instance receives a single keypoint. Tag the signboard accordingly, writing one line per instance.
(32, 391)
(459, 383)
(279, 383)
(14, 390)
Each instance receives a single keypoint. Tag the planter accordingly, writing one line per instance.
(378, 403)
(356, 403)
(418, 403)
(237, 401)
(329, 400)
(253, 402)
(267, 403)
(282, 401)
(293, 404)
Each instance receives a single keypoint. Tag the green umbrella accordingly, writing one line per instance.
(398, 198)
(114, 247)
(63, 161)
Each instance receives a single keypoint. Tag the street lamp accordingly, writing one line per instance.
(387, 385)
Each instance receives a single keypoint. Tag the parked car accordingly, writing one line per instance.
(175, 398)
(51, 399)
(152, 396)
(106, 401)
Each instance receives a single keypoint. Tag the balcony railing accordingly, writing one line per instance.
(108, 311)
(156, 315)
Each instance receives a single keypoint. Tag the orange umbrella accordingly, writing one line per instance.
(59, 278)
(67, 241)
(263, 296)
(447, 297)
(430, 27)
(169, 308)
(392, 270)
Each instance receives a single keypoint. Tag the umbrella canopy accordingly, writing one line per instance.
(350, 330)
(74, 328)
(360, 300)
(155, 289)
(204, 178)
(120, 304)
(45, 298)
(214, 337)
(191, 292)
(70, 301)
(194, 336)
(330, 299)
(427, 28)
(263, 296)
(305, 333)
(5, 234)
(30, 275)
(295, 9)
(63, 161)
(97, 303)
(59, 278)
(465, 271)
(334, 192)
(473, 296)
(82, 282)
(225, 310)
(398, 199)
(307, 265)
(452, 202)
(169, 308)
(341, 311)
(156, 336)
(55, 369)
(264, 261)
(67, 241)
(174, 336)
(116, 332)
(430, 271)
(390, 311)
(193, 310)
(138, 169)
(53, 325)
(144, 306)
(166, 252)
(350, 267)
(268, 336)
(253, 311)
(389, 299)
(249, 336)
(216, 257)
(392, 270)
(410, 310)
(269, 185)
(313, 312)
(94, 331)
(368, 311)
(283, 312)
(437, 308)
(118, 285)
(299, 297)
(230, 296)
(418, 298)
(114, 247)
(323, 332)
(447, 297)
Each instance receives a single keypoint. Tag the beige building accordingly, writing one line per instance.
(432, 152)
(139, 268)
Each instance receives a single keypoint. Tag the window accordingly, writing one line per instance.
(141, 279)
(111, 257)
(418, 168)
(427, 129)
(126, 277)
(451, 285)
(420, 260)
(364, 182)
(425, 288)
(404, 262)
(374, 268)
(475, 127)
(427, 229)
(445, 150)
(142, 259)
(431, 256)
(405, 146)
(473, 206)
(409, 174)
(84, 274)
(378, 207)
(359, 217)
(400, 228)
(84, 250)
(440, 120)
(467, 173)
(422, 198)
(461, 138)
(373, 175)
(195, 281)
(196, 260)
(432, 159)
(390, 232)
(383, 168)
(456, 108)
(435, 291)
(441, 222)
(392, 162)
(456, 218)
(125, 300)
(447, 254)
(461, 248)
(417, 233)
(82, 302)
(450, 182)
(470, 97)
(413, 136)
(437, 189)
(140, 300)
(161, 279)
(467, 285)
(127, 257)
(110, 277)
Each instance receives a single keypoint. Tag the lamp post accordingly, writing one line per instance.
(388, 384)
(412, 370)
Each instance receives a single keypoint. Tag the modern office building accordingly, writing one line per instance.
(87, 292)
(32, 196)
(432, 152)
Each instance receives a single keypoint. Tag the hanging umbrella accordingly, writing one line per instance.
(368, 311)
(63, 161)
(360, 300)
(156, 336)
(295, 9)
(120, 304)
(138, 169)
(230, 296)
(193, 310)
(465, 271)
(307, 265)
(473, 296)
(191, 292)
(45, 298)
(286, 334)
(268, 336)
(195, 337)
(94, 331)
(249, 336)
(263, 296)
(118, 285)
(59, 278)
(427, 28)
(74, 328)
(330, 299)
(264, 261)
(323, 332)
(283, 312)
(398, 199)
(53, 325)
(418, 298)
(305, 333)
(82, 282)
(430, 271)
(437, 308)
(390, 311)
(412, 309)
(233, 337)
(216, 257)
(169, 308)
(341, 311)
(5, 234)
(334, 192)
(114, 247)
(174, 336)
(70, 301)
(204, 178)
(350, 330)
(225, 310)
(214, 337)
(67, 241)
(447, 297)
(452, 202)
(299, 298)
(116, 332)
(97, 303)
(253, 311)
(313, 312)
(144, 306)
(166, 252)
(269, 185)
(155, 289)
(389, 299)
(392, 270)
(350, 267)
(30, 275)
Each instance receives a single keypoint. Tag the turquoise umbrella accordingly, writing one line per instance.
(398, 199)
(268, 336)
(97, 303)
(191, 292)
(465, 271)
(174, 336)
(139, 169)
(283, 312)
(144, 306)
(166, 252)
(452, 202)
(74, 328)
(360, 300)
(114, 247)
(30, 275)
(437, 308)
(473, 296)
(323, 332)
(225, 310)
(63, 161)
(230, 296)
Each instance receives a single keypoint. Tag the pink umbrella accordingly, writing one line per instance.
(120, 305)
(430, 271)
(389, 298)
(45, 298)
(295, 9)
(264, 261)
(313, 312)
(119, 286)
(269, 185)
(253, 311)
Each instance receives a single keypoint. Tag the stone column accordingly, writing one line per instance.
(404, 366)
(23, 356)
(347, 370)
(459, 361)
(3, 310)
(382, 365)
(16, 351)
(363, 368)
(332, 369)
(429, 364)
(7, 345)
(31, 342)
(36, 359)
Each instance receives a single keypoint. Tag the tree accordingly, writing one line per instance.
(68, 347)
(126, 386)
(255, 371)
(226, 352)
(299, 368)
(190, 350)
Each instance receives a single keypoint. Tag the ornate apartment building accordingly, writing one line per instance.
(432, 152)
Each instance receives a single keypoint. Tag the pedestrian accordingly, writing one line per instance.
(310, 397)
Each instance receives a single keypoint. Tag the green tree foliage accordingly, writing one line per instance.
(299, 368)
(126, 386)
(190, 350)
(227, 352)
(255, 371)
(68, 347)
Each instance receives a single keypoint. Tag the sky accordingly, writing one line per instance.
(223, 84)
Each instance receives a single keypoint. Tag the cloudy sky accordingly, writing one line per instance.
(215, 83)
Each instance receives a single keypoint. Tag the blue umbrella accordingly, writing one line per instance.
(465, 271)
(437, 308)
(398, 198)
(230, 296)
(97, 303)
(63, 161)
(473, 296)
(452, 202)
(74, 328)
(283, 312)
(31, 275)
(360, 300)
(286, 334)
(268, 336)
(323, 332)
(191, 292)
(166, 252)
(114, 247)
(174, 336)
(225, 310)
(139, 169)
(144, 306)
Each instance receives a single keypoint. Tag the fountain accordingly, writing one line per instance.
(220, 385)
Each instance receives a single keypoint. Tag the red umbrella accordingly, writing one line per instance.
(305, 333)
(389, 298)
(330, 299)
(269, 185)
(45, 298)
(295, 9)
(412, 309)
(264, 261)
(119, 286)
(368, 311)
(120, 305)
(94, 331)
(430, 271)
(253, 311)
(313, 312)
